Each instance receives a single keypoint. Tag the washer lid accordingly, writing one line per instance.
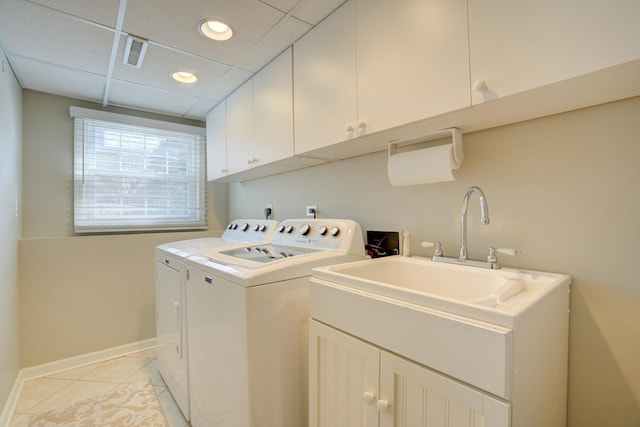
(267, 253)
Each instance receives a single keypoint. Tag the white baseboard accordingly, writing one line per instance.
(38, 371)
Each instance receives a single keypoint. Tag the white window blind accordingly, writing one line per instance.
(133, 174)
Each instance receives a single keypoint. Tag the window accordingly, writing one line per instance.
(134, 174)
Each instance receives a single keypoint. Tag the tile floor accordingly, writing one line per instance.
(73, 385)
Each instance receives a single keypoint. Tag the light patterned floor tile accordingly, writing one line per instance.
(75, 392)
(36, 391)
(76, 384)
(116, 370)
(148, 372)
(20, 420)
(75, 373)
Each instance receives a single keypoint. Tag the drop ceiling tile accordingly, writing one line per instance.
(227, 84)
(314, 11)
(274, 43)
(200, 109)
(101, 11)
(36, 32)
(174, 23)
(57, 80)
(283, 5)
(149, 99)
(158, 65)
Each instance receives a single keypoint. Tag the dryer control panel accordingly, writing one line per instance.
(337, 234)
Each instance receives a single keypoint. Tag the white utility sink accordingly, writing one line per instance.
(503, 331)
(496, 296)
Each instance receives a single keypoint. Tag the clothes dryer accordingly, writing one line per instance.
(171, 315)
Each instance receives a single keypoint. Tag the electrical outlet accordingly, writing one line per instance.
(312, 210)
(268, 211)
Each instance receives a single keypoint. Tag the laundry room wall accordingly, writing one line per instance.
(10, 209)
(80, 294)
(562, 189)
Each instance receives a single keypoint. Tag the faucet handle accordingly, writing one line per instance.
(437, 245)
(493, 258)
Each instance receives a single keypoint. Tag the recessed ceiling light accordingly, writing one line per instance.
(214, 29)
(184, 77)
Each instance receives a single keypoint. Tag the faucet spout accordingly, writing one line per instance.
(484, 219)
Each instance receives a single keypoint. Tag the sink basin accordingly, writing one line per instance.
(491, 295)
(469, 285)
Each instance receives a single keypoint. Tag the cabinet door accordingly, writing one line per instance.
(417, 396)
(217, 142)
(341, 370)
(519, 45)
(240, 128)
(273, 111)
(412, 60)
(325, 82)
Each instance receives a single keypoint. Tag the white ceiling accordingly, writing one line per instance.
(74, 48)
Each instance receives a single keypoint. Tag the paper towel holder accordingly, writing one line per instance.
(457, 155)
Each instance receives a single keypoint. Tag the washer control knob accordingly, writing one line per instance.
(256, 227)
(334, 230)
(304, 230)
(263, 227)
(230, 226)
(288, 228)
(234, 226)
(281, 228)
(245, 226)
(323, 230)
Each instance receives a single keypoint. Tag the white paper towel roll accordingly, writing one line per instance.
(422, 166)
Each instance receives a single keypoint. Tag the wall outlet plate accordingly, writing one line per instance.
(312, 210)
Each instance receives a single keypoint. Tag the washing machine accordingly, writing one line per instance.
(171, 316)
(247, 323)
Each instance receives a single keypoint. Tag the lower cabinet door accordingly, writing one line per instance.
(355, 384)
(343, 379)
(412, 395)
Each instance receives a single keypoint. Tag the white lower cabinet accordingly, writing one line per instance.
(353, 383)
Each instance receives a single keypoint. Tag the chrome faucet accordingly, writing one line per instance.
(484, 210)
(492, 259)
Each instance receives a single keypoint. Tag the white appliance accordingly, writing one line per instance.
(247, 323)
(171, 316)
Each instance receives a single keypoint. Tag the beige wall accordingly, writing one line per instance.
(10, 194)
(80, 294)
(564, 189)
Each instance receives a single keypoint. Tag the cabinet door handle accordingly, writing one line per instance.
(362, 127)
(479, 86)
(368, 397)
(382, 405)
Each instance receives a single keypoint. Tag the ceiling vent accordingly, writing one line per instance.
(134, 51)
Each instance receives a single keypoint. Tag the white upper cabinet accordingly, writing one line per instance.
(519, 45)
(240, 128)
(325, 82)
(217, 142)
(412, 60)
(375, 64)
(260, 117)
(273, 111)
